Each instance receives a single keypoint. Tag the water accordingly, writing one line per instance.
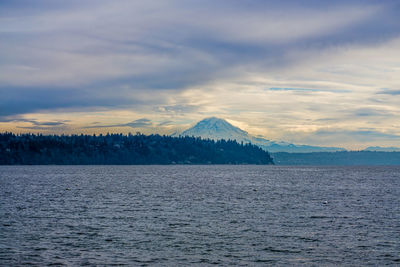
(199, 215)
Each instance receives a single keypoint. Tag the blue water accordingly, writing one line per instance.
(199, 215)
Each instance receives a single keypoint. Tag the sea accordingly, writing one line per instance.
(188, 215)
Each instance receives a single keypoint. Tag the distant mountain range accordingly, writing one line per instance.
(383, 149)
(216, 128)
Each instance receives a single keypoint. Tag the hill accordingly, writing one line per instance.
(121, 149)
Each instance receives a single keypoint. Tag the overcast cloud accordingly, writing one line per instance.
(282, 69)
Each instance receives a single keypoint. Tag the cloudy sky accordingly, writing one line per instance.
(307, 72)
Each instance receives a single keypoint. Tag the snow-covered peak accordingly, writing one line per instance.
(216, 128)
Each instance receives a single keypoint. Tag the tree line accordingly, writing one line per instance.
(33, 149)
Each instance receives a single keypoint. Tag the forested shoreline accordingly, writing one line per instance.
(119, 149)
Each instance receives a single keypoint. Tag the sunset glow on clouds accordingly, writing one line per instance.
(308, 72)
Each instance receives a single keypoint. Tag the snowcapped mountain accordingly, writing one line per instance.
(216, 128)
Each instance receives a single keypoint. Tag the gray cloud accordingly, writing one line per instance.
(18, 118)
(347, 138)
(362, 135)
(44, 125)
(20, 100)
(366, 112)
(177, 109)
(48, 123)
(140, 123)
(43, 128)
(179, 60)
(79, 54)
(308, 90)
(165, 123)
(389, 92)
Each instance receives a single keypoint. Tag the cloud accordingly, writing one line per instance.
(18, 118)
(178, 109)
(140, 123)
(165, 123)
(78, 52)
(57, 128)
(351, 139)
(50, 123)
(389, 92)
(367, 112)
(20, 100)
(44, 125)
(277, 67)
(365, 134)
(307, 90)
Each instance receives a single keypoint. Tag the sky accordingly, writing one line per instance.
(308, 72)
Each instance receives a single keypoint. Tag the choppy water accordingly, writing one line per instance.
(199, 215)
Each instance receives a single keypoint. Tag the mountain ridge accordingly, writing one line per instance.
(217, 128)
(382, 149)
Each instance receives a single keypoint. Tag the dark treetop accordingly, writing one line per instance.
(125, 149)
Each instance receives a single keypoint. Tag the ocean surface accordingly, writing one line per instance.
(199, 215)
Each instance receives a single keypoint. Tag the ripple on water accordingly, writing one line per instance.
(199, 215)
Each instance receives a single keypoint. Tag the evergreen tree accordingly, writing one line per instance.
(122, 149)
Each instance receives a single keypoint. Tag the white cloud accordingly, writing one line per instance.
(182, 61)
